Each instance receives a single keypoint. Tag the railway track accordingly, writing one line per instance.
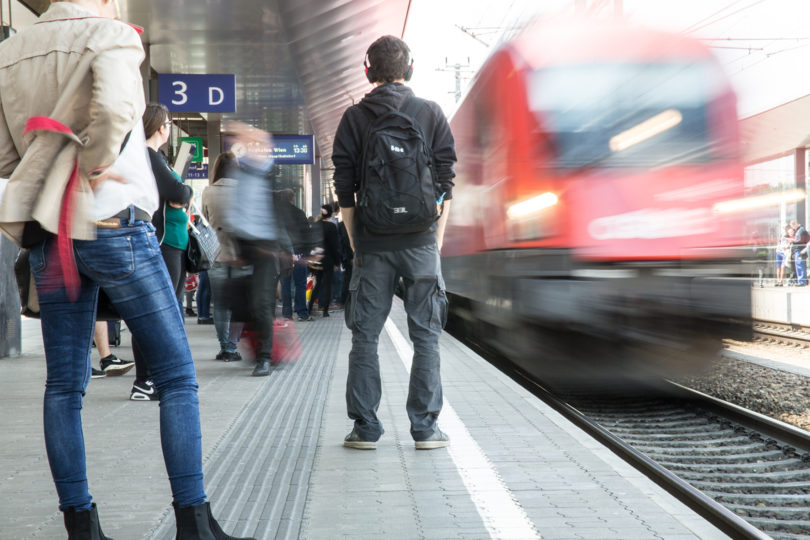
(782, 334)
(746, 473)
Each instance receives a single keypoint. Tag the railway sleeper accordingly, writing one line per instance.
(771, 477)
(753, 468)
(729, 488)
(690, 458)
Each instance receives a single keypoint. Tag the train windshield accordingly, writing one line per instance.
(625, 115)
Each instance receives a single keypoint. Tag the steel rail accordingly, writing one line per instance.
(782, 431)
(714, 512)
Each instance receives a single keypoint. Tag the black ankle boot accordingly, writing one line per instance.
(197, 523)
(83, 524)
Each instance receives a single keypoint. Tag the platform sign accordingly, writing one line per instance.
(293, 149)
(197, 93)
(200, 172)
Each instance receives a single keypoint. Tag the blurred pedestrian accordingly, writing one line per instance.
(80, 154)
(214, 207)
(380, 260)
(250, 219)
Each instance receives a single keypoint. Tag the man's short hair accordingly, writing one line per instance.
(287, 195)
(388, 58)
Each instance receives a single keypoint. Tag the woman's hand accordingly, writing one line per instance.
(97, 181)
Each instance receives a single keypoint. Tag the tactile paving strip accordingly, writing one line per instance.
(257, 476)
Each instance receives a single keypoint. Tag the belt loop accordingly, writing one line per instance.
(131, 215)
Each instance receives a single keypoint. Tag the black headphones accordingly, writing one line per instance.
(370, 72)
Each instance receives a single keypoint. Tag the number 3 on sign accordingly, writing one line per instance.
(180, 90)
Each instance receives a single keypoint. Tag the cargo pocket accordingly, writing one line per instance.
(439, 305)
(350, 309)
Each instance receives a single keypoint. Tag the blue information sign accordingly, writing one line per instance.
(293, 149)
(197, 93)
(197, 173)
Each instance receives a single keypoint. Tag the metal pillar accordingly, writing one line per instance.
(317, 191)
(146, 75)
(800, 172)
(10, 321)
(214, 136)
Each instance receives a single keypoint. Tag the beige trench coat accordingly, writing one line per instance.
(84, 71)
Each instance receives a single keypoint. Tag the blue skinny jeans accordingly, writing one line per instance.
(128, 265)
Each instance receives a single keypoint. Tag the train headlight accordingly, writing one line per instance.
(532, 206)
(759, 201)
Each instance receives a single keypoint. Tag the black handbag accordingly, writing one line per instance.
(203, 247)
(29, 301)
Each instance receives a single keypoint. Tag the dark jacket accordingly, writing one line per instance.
(331, 244)
(295, 222)
(169, 189)
(800, 238)
(347, 154)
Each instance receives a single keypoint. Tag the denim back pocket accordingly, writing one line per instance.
(36, 257)
(110, 257)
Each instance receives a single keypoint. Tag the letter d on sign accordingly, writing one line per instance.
(219, 99)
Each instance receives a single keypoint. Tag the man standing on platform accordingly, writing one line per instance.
(392, 241)
(799, 252)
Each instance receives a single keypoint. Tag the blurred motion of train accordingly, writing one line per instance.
(593, 226)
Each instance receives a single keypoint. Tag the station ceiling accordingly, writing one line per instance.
(298, 63)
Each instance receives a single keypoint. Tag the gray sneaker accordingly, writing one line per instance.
(353, 440)
(439, 439)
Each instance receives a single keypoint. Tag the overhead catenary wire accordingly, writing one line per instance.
(701, 25)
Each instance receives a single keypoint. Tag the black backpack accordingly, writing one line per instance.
(397, 180)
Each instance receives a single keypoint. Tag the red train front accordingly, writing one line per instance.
(594, 201)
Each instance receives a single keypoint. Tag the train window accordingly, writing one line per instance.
(626, 115)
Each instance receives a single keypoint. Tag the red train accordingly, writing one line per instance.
(594, 218)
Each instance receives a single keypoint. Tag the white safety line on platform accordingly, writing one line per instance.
(502, 515)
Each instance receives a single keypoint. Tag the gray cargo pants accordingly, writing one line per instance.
(371, 292)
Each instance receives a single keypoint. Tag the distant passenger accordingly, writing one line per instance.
(381, 259)
(326, 230)
(214, 208)
(300, 233)
(799, 252)
(783, 254)
(80, 196)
